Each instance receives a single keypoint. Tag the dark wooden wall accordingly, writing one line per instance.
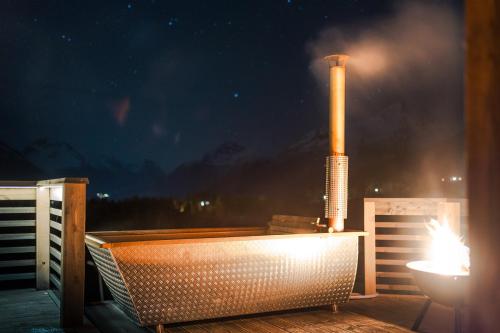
(483, 155)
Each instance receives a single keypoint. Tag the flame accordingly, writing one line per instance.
(447, 254)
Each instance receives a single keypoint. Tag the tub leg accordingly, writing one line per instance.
(160, 328)
(335, 308)
(458, 320)
(421, 315)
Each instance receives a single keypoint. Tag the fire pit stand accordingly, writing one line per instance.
(457, 314)
(421, 315)
(448, 290)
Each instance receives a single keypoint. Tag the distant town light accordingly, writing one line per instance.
(325, 197)
(102, 195)
(376, 190)
(202, 203)
(452, 179)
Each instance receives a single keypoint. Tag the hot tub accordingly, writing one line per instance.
(180, 275)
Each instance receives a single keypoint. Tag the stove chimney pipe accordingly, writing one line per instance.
(337, 161)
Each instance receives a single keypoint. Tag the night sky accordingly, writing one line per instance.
(170, 80)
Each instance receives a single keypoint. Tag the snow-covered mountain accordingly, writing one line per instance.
(53, 156)
(294, 175)
(45, 158)
(315, 140)
(15, 166)
(228, 153)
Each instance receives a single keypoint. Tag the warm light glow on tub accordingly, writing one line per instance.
(447, 254)
(302, 248)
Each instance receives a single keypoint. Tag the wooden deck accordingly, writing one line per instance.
(30, 311)
(107, 317)
(309, 321)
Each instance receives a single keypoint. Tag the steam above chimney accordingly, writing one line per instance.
(337, 161)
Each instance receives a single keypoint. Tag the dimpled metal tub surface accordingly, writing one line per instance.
(179, 280)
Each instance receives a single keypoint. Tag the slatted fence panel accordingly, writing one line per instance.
(398, 234)
(17, 237)
(56, 239)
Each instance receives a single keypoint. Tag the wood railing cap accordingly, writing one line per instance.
(408, 199)
(63, 181)
(17, 183)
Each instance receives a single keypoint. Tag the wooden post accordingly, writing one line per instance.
(73, 255)
(42, 237)
(369, 244)
(72, 249)
(482, 105)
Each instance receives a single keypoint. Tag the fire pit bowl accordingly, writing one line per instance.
(445, 289)
(448, 290)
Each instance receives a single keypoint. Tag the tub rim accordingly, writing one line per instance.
(202, 235)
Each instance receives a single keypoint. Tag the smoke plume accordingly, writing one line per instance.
(404, 82)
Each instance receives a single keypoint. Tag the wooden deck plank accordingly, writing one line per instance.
(335, 323)
(344, 321)
(242, 329)
(402, 310)
(30, 310)
(223, 327)
(304, 322)
(108, 318)
(175, 329)
(191, 329)
(257, 325)
(283, 324)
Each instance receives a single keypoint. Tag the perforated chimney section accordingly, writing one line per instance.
(336, 187)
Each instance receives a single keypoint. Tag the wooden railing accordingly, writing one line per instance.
(397, 235)
(17, 232)
(42, 230)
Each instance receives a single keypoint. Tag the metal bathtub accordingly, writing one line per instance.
(180, 275)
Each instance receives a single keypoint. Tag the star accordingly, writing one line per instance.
(172, 21)
(129, 6)
(66, 38)
(236, 94)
